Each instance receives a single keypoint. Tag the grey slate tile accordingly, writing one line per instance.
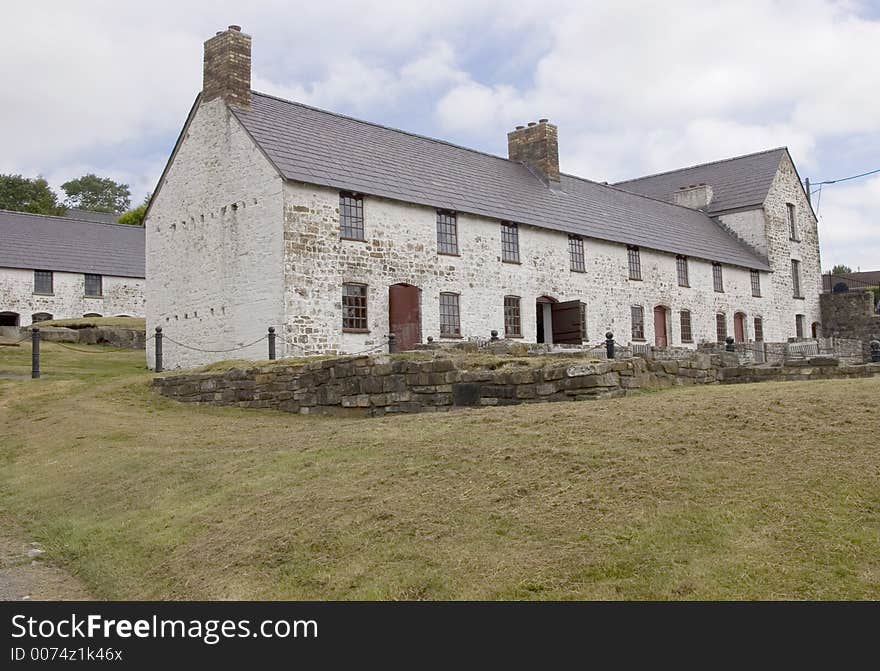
(313, 146)
(66, 244)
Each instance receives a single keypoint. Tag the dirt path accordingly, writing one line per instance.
(25, 574)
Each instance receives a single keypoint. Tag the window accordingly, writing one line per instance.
(759, 329)
(681, 267)
(800, 325)
(635, 263)
(512, 317)
(450, 324)
(756, 283)
(638, 322)
(354, 307)
(43, 282)
(792, 222)
(717, 277)
(687, 334)
(509, 242)
(584, 337)
(576, 253)
(351, 216)
(796, 278)
(94, 287)
(40, 317)
(447, 233)
(721, 327)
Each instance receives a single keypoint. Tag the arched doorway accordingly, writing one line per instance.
(739, 327)
(661, 337)
(404, 315)
(9, 319)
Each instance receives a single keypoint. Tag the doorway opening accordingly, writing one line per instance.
(661, 326)
(739, 327)
(9, 319)
(559, 323)
(405, 315)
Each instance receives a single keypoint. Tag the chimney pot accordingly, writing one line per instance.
(543, 120)
(520, 127)
(235, 28)
(532, 123)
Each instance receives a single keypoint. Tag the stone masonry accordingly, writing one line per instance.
(121, 296)
(375, 386)
(851, 315)
(232, 248)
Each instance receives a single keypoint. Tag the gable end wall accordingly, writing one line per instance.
(213, 244)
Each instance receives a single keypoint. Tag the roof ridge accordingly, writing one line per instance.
(65, 218)
(384, 127)
(704, 164)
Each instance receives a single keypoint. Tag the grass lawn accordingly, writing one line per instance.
(763, 491)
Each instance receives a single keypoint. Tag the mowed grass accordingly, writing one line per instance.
(738, 492)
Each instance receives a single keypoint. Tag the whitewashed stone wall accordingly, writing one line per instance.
(214, 244)
(232, 249)
(401, 246)
(767, 230)
(121, 296)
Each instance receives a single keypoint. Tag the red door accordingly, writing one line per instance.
(739, 329)
(404, 318)
(566, 322)
(660, 326)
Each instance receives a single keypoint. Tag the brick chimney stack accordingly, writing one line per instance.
(537, 146)
(227, 72)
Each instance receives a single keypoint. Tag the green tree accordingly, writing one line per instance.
(26, 194)
(135, 216)
(98, 194)
(840, 269)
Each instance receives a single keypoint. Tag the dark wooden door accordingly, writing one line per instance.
(660, 326)
(404, 317)
(739, 330)
(566, 322)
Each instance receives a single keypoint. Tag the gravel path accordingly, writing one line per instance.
(26, 574)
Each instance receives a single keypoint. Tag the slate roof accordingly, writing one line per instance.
(89, 215)
(737, 182)
(318, 147)
(39, 242)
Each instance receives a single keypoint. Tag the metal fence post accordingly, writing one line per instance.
(158, 349)
(392, 344)
(609, 344)
(271, 343)
(35, 352)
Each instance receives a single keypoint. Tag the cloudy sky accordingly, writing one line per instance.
(635, 88)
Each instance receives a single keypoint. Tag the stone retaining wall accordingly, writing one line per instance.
(389, 384)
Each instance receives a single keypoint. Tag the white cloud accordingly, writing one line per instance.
(849, 225)
(635, 87)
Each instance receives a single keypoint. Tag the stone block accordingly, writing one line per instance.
(466, 394)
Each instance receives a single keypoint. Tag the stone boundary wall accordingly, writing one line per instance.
(374, 386)
(91, 335)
